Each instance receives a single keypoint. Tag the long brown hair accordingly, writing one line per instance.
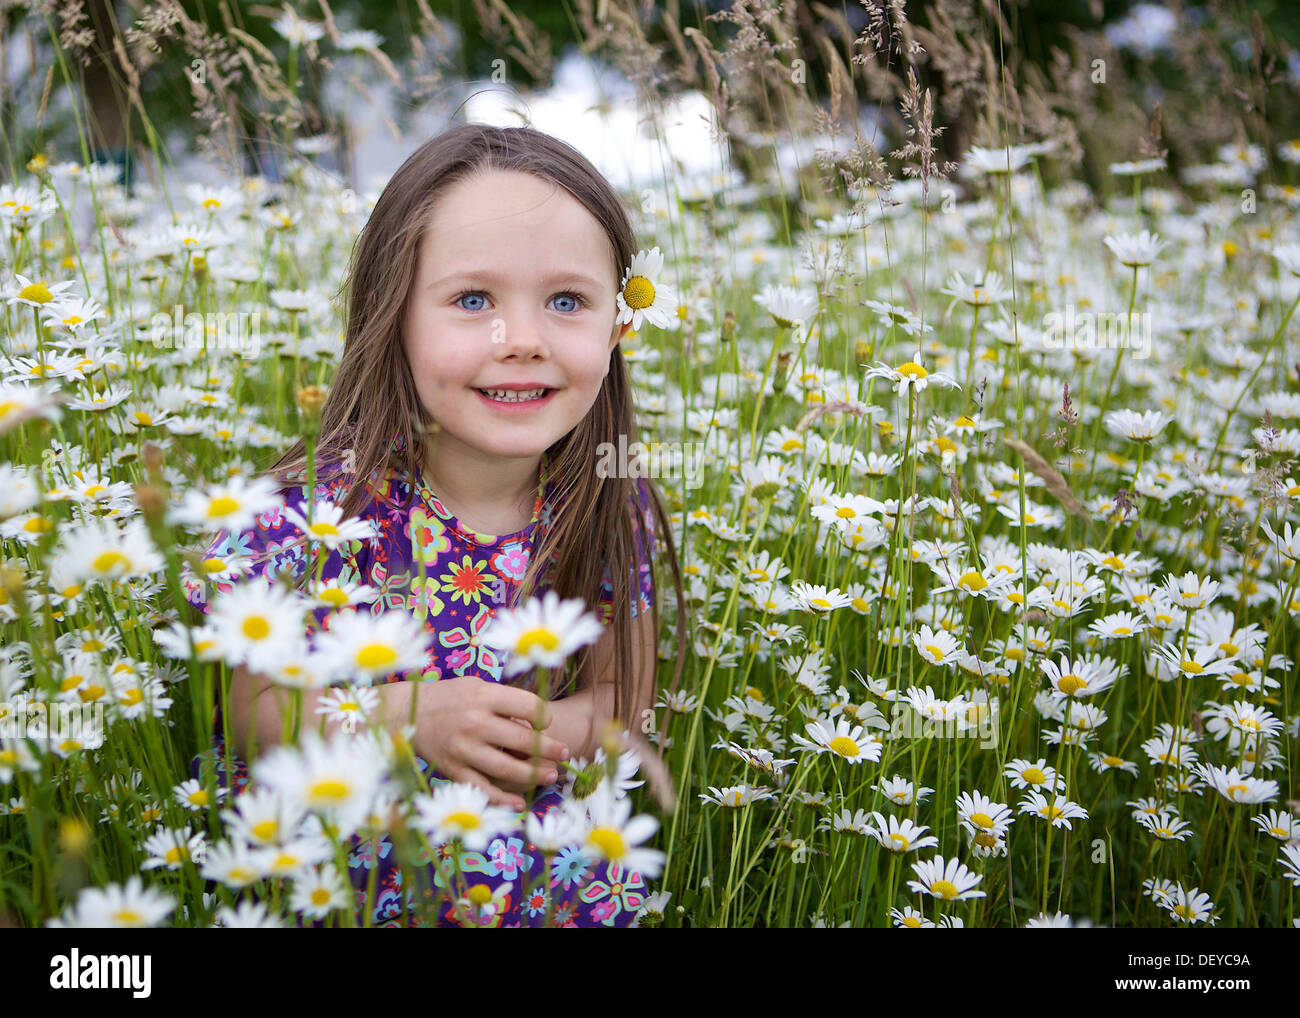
(373, 396)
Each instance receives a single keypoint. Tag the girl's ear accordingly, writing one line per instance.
(617, 335)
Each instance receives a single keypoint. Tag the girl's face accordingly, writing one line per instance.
(514, 288)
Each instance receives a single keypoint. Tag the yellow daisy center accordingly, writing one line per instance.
(541, 637)
(256, 628)
(38, 292)
(911, 369)
(844, 746)
(639, 293)
(328, 790)
(107, 561)
(376, 655)
(1071, 684)
(944, 889)
(222, 506)
(609, 841)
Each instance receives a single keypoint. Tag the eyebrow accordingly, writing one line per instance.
(488, 276)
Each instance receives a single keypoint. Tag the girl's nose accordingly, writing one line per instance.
(519, 333)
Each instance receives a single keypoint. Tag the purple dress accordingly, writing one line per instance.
(465, 574)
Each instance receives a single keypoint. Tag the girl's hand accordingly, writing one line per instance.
(471, 730)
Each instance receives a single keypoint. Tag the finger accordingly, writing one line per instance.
(510, 786)
(523, 739)
(501, 766)
(511, 702)
(496, 796)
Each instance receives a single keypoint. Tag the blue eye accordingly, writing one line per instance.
(573, 298)
(471, 296)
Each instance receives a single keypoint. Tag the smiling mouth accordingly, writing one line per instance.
(515, 395)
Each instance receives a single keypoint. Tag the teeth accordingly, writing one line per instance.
(511, 396)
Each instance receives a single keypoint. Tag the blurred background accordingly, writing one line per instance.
(645, 90)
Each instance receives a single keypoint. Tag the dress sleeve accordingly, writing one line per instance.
(642, 570)
(273, 544)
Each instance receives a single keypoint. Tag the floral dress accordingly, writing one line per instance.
(465, 573)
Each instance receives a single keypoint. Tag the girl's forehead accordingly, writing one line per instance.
(497, 217)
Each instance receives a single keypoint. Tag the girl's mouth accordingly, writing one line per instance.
(514, 400)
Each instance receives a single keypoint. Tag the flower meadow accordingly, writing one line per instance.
(992, 568)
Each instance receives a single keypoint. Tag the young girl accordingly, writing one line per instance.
(481, 372)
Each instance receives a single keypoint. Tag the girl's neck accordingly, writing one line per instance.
(491, 498)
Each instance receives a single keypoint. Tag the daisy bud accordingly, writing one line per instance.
(782, 374)
(403, 750)
(74, 835)
(152, 502)
(153, 457)
(11, 582)
(862, 354)
(587, 780)
(612, 745)
(310, 399)
(729, 326)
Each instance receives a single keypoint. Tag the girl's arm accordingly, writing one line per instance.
(579, 720)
